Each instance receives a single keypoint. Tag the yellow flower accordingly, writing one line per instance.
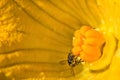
(36, 37)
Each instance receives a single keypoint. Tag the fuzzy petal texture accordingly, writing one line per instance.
(36, 37)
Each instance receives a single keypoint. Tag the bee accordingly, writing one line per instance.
(74, 60)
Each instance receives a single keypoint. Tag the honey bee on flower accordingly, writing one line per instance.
(87, 44)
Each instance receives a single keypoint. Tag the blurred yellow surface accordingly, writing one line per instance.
(36, 37)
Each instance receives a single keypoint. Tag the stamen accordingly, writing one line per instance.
(87, 44)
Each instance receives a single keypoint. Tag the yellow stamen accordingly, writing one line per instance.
(77, 42)
(87, 43)
(76, 50)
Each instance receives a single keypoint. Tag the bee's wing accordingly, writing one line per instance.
(73, 70)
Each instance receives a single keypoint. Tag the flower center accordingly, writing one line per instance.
(87, 44)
